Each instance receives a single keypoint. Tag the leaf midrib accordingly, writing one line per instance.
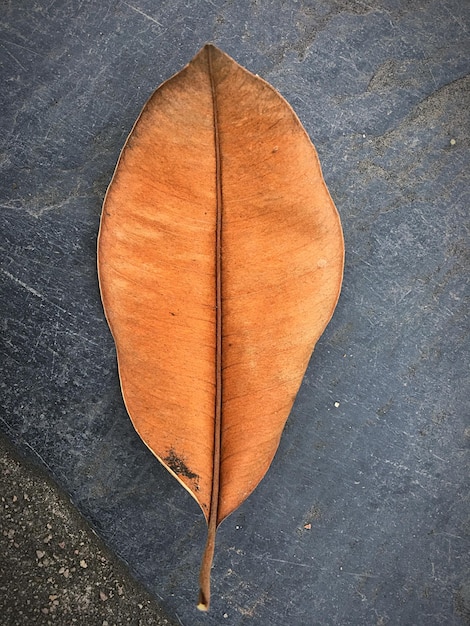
(204, 577)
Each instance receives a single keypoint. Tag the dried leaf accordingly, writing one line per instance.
(220, 264)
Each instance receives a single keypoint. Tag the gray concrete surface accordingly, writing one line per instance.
(363, 518)
(53, 567)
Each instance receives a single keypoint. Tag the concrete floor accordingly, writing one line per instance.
(363, 518)
(54, 568)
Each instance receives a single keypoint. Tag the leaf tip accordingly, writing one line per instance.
(213, 49)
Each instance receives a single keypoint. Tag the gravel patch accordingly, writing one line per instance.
(54, 569)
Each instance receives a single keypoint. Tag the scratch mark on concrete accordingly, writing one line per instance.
(460, 22)
(31, 290)
(13, 57)
(36, 453)
(152, 19)
(363, 575)
(37, 212)
(12, 43)
(289, 562)
(450, 535)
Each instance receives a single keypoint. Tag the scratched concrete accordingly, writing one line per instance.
(363, 519)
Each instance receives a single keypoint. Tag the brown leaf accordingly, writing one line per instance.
(220, 264)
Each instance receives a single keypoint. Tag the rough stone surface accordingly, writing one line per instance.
(54, 569)
(363, 517)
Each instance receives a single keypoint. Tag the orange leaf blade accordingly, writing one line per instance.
(220, 260)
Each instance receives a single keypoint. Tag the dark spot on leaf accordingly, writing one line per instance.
(177, 465)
